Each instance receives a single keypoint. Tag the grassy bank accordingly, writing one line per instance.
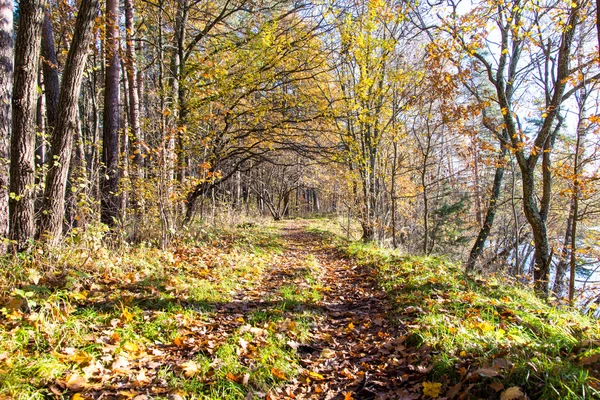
(486, 335)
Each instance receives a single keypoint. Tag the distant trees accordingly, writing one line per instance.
(531, 44)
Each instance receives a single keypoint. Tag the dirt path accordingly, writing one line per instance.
(348, 347)
(355, 351)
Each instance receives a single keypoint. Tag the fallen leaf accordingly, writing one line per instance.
(513, 393)
(590, 360)
(327, 353)
(120, 363)
(131, 347)
(127, 315)
(75, 382)
(234, 378)
(279, 374)
(453, 391)
(190, 368)
(496, 386)
(487, 372)
(432, 389)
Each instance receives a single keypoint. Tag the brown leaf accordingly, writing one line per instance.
(590, 360)
(234, 378)
(75, 382)
(513, 393)
(121, 363)
(496, 386)
(453, 391)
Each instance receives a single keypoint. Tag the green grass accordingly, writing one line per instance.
(493, 322)
(66, 308)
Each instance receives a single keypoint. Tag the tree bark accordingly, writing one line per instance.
(50, 69)
(53, 206)
(22, 166)
(109, 176)
(490, 215)
(134, 101)
(134, 114)
(6, 88)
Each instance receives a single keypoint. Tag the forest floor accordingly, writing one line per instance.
(283, 312)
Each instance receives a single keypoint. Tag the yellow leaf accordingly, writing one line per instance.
(78, 396)
(127, 316)
(463, 353)
(432, 389)
(485, 326)
(327, 353)
(131, 347)
(81, 358)
(316, 376)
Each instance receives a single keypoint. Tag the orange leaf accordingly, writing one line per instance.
(279, 374)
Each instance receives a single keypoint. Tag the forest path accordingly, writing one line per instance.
(279, 315)
(354, 350)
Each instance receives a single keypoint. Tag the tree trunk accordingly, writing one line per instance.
(134, 114)
(563, 264)
(484, 232)
(53, 206)
(22, 166)
(109, 176)
(6, 87)
(40, 140)
(50, 69)
(541, 269)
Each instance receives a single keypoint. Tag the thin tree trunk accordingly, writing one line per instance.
(53, 206)
(134, 114)
(573, 260)
(6, 88)
(40, 142)
(563, 264)
(484, 232)
(109, 176)
(22, 166)
(50, 69)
